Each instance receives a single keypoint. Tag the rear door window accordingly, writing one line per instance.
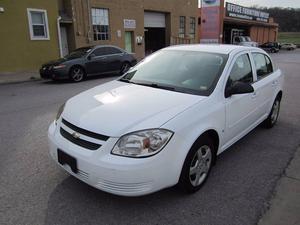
(99, 52)
(112, 50)
(263, 65)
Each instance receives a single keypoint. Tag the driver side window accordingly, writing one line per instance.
(241, 71)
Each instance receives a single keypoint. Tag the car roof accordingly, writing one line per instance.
(113, 46)
(213, 48)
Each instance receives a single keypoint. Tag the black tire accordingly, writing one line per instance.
(188, 181)
(124, 68)
(77, 74)
(273, 116)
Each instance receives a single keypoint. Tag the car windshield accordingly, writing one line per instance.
(242, 39)
(248, 38)
(191, 72)
(78, 53)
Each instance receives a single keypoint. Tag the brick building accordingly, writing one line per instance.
(236, 20)
(139, 26)
(36, 31)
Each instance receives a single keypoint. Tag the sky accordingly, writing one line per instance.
(268, 3)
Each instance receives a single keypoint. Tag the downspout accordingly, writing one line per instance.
(89, 21)
(59, 36)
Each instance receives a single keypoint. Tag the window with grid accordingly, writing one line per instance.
(181, 26)
(100, 23)
(38, 24)
(192, 27)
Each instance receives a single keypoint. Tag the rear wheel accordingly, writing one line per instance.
(77, 74)
(273, 116)
(197, 165)
(125, 67)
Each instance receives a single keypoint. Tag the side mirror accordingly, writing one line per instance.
(238, 88)
(91, 56)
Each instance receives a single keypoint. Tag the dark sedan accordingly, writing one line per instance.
(272, 47)
(89, 61)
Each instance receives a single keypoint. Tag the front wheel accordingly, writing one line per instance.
(197, 165)
(77, 74)
(273, 116)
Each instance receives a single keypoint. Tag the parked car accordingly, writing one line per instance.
(244, 41)
(165, 121)
(288, 46)
(272, 47)
(88, 61)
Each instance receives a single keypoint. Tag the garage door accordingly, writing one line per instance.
(154, 19)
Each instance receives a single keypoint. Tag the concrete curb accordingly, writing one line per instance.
(17, 81)
(285, 204)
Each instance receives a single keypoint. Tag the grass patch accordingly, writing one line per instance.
(289, 37)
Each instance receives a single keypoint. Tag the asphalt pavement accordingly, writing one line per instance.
(34, 190)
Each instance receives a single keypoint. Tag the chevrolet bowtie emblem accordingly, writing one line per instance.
(76, 135)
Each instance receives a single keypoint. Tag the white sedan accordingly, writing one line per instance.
(164, 122)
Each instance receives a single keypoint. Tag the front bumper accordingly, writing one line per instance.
(50, 73)
(115, 174)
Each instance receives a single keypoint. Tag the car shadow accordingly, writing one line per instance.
(74, 202)
(234, 183)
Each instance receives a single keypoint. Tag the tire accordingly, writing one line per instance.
(273, 116)
(125, 67)
(194, 173)
(77, 74)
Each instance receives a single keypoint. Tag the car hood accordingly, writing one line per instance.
(59, 61)
(116, 108)
(55, 62)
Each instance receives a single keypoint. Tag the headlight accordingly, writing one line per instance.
(60, 111)
(142, 143)
(59, 66)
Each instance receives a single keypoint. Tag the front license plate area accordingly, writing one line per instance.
(64, 158)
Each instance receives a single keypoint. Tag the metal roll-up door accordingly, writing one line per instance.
(154, 19)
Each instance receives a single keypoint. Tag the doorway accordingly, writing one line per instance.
(64, 40)
(155, 39)
(155, 31)
(129, 41)
(233, 30)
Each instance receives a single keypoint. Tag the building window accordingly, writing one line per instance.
(181, 26)
(100, 23)
(38, 24)
(192, 27)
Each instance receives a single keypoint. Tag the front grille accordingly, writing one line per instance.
(78, 141)
(128, 188)
(85, 132)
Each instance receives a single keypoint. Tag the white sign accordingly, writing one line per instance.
(1, 9)
(129, 24)
(119, 34)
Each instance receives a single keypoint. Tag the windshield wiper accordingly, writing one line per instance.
(154, 85)
(126, 80)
